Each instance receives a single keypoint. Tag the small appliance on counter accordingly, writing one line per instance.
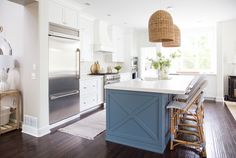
(109, 69)
(134, 67)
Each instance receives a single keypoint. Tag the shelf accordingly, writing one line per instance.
(14, 120)
(8, 127)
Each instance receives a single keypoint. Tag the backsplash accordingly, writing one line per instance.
(104, 60)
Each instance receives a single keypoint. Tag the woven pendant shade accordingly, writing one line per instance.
(177, 39)
(160, 27)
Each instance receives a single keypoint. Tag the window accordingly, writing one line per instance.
(198, 52)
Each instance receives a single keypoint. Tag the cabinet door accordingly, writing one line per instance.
(70, 17)
(86, 38)
(100, 93)
(55, 13)
(118, 44)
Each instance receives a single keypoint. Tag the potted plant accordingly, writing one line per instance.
(162, 64)
(118, 68)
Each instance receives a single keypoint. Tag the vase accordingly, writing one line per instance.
(163, 74)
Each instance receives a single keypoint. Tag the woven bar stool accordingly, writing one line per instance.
(191, 90)
(187, 119)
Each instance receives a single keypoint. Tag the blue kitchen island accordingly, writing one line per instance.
(136, 111)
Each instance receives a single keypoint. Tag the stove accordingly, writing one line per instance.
(109, 78)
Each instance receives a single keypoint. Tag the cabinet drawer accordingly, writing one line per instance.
(88, 86)
(87, 102)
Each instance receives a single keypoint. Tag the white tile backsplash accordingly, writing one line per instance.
(104, 59)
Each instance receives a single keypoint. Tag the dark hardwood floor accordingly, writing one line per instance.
(220, 131)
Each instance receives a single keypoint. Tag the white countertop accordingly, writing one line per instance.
(177, 84)
(86, 77)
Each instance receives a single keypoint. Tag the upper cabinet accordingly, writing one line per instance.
(62, 15)
(118, 41)
(86, 38)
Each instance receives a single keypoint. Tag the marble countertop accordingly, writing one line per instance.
(176, 84)
(86, 77)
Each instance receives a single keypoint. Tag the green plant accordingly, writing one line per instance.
(118, 67)
(162, 62)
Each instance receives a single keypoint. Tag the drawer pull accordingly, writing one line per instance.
(63, 94)
(85, 87)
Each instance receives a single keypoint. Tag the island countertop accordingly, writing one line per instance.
(177, 84)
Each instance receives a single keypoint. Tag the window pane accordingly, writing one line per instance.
(197, 51)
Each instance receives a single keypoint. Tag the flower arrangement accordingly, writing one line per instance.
(162, 63)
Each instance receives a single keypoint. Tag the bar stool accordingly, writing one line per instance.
(186, 116)
(191, 89)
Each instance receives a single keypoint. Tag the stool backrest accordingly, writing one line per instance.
(196, 84)
(195, 96)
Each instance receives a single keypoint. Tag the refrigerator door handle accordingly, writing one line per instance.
(64, 94)
(77, 63)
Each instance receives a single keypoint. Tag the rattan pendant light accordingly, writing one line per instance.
(160, 27)
(177, 39)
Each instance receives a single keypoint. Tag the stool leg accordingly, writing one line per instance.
(172, 126)
(201, 133)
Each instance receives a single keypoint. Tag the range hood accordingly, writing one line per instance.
(23, 2)
(103, 37)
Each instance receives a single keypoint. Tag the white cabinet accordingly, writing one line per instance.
(86, 39)
(118, 44)
(55, 12)
(70, 17)
(91, 92)
(125, 76)
(62, 15)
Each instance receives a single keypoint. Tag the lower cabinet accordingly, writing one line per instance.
(91, 92)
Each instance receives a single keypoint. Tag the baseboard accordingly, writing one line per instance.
(35, 131)
(210, 98)
(216, 99)
(64, 121)
(219, 99)
(91, 109)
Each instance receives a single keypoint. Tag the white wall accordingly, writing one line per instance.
(227, 46)
(12, 20)
(26, 28)
(30, 56)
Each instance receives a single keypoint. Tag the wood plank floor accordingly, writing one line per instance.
(220, 130)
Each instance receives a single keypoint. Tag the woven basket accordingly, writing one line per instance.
(177, 39)
(160, 27)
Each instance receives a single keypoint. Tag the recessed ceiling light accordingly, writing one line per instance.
(170, 8)
(87, 4)
(108, 14)
(125, 23)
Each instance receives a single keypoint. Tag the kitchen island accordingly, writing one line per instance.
(136, 111)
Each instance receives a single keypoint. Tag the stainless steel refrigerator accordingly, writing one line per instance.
(64, 74)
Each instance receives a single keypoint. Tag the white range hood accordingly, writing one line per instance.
(103, 37)
(23, 2)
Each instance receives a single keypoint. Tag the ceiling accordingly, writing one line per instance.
(136, 13)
